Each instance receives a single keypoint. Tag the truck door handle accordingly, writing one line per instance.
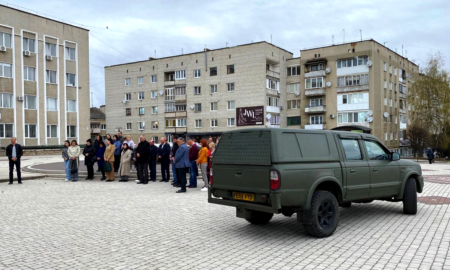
(352, 171)
(238, 173)
(375, 170)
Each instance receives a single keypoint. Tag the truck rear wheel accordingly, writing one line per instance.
(323, 217)
(410, 197)
(259, 218)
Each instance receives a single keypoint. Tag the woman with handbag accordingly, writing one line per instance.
(74, 152)
(109, 160)
(89, 159)
(100, 158)
(66, 158)
(124, 169)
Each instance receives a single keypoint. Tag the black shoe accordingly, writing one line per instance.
(162, 180)
(10, 183)
(146, 183)
(87, 178)
(103, 178)
(139, 183)
(166, 181)
(176, 185)
(20, 183)
(181, 191)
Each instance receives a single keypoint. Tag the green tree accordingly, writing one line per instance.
(419, 138)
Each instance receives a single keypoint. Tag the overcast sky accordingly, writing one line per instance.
(137, 28)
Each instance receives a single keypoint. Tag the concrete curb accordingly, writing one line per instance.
(31, 177)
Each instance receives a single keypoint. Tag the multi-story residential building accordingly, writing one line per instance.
(199, 94)
(44, 79)
(98, 122)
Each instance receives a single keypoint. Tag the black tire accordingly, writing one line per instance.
(410, 197)
(260, 218)
(346, 205)
(323, 217)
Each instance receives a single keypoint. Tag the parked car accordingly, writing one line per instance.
(263, 172)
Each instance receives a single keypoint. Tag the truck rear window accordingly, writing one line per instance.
(246, 148)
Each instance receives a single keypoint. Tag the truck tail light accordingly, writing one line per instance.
(275, 180)
(211, 176)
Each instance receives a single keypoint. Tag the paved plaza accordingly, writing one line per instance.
(53, 224)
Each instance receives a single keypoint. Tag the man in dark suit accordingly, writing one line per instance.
(153, 159)
(164, 156)
(14, 152)
(142, 152)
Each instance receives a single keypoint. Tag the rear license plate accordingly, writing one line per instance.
(243, 196)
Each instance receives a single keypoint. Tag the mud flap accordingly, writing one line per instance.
(243, 213)
(302, 217)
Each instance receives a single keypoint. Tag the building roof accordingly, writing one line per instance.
(96, 113)
(207, 50)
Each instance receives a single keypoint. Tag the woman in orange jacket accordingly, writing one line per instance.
(202, 162)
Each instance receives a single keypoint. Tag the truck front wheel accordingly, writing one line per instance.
(410, 197)
(323, 217)
(259, 218)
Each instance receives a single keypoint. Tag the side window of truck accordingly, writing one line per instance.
(351, 149)
(375, 151)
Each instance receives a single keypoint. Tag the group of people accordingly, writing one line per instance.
(118, 154)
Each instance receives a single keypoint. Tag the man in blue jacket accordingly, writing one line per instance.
(181, 163)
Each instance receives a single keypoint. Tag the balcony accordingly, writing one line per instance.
(171, 83)
(181, 114)
(180, 98)
(272, 73)
(316, 73)
(271, 92)
(315, 126)
(315, 92)
(315, 109)
(95, 130)
(272, 109)
(175, 130)
(402, 110)
(353, 88)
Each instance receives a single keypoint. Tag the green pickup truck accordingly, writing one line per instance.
(264, 171)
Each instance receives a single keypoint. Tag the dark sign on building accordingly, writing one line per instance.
(250, 116)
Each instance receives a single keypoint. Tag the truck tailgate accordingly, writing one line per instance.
(255, 179)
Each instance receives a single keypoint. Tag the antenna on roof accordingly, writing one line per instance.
(384, 44)
(402, 49)
(270, 38)
(181, 50)
(406, 53)
(155, 53)
(360, 33)
(226, 45)
(332, 39)
(343, 30)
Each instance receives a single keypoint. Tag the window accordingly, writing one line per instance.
(198, 107)
(231, 105)
(353, 98)
(273, 101)
(71, 131)
(213, 88)
(141, 110)
(170, 123)
(384, 66)
(180, 74)
(52, 131)
(352, 62)
(155, 139)
(396, 135)
(402, 88)
(6, 100)
(103, 126)
(198, 123)
(154, 110)
(316, 120)
(214, 123)
(30, 131)
(316, 67)
(170, 107)
(353, 80)
(353, 117)
(180, 108)
(180, 91)
(154, 78)
(392, 136)
(213, 106)
(182, 122)
(70, 53)
(50, 49)
(375, 151)
(155, 125)
(274, 120)
(5, 70)
(170, 94)
(71, 105)
(313, 82)
(231, 122)
(70, 79)
(128, 126)
(6, 130)
(230, 87)
(141, 125)
(28, 44)
(293, 121)
(385, 84)
(140, 80)
(197, 90)
(351, 149)
(390, 69)
(5, 39)
(197, 73)
(293, 71)
(390, 119)
(154, 94)
(272, 84)
(390, 102)
(395, 71)
(293, 88)
(316, 102)
(140, 95)
(396, 120)
(50, 76)
(385, 101)
(128, 112)
(52, 104)
(127, 82)
(30, 102)
(213, 71)
(230, 69)
(128, 96)
(29, 73)
(293, 104)
(390, 86)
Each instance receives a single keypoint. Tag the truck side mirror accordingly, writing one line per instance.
(395, 156)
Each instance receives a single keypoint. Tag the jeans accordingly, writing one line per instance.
(193, 174)
(11, 170)
(153, 170)
(67, 168)
(142, 172)
(181, 172)
(174, 172)
(203, 169)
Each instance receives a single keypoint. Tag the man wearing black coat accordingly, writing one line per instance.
(14, 152)
(153, 158)
(164, 156)
(142, 153)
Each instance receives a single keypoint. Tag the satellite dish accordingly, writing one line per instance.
(369, 63)
(328, 84)
(124, 101)
(192, 106)
(370, 112)
(386, 114)
(370, 119)
(268, 116)
(268, 124)
(161, 92)
(328, 70)
(297, 94)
